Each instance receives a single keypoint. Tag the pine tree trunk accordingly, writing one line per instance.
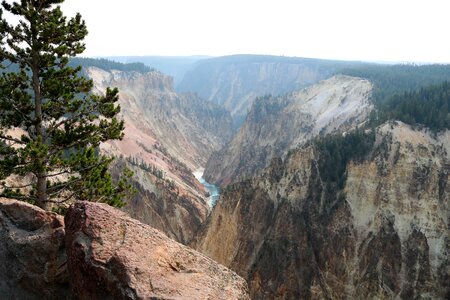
(41, 175)
(42, 192)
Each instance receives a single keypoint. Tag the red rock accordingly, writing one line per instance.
(111, 255)
(32, 254)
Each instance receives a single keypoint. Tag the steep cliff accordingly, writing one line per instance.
(167, 137)
(235, 81)
(384, 235)
(277, 124)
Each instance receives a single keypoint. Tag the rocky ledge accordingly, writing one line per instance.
(101, 253)
(113, 255)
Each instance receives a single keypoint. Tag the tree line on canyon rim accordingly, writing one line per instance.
(426, 107)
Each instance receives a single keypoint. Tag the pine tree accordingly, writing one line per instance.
(61, 123)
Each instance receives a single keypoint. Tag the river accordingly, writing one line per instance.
(213, 190)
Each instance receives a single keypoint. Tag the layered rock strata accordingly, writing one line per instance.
(384, 236)
(235, 81)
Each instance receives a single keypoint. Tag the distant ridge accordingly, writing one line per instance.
(235, 81)
(174, 66)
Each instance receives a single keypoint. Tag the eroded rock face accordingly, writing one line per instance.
(111, 256)
(189, 127)
(276, 125)
(386, 236)
(32, 254)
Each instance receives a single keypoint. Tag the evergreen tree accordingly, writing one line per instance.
(61, 122)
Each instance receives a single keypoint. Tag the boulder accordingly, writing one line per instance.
(32, 254)
(112, 256)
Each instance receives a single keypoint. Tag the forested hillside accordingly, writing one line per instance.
(108, 65)
(427, 106)
(389, 80)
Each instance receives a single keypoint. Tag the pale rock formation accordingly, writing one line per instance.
(235, 81)
(190, 128)
(276, 125)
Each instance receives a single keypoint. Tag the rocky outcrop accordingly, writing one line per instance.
(111, 256)
(384, 236)
(32, 256)
(235, 81)
(276, 125)
(101, 254)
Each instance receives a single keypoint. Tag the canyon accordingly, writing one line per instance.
(230, 171)
(236, 177)
(383, 234)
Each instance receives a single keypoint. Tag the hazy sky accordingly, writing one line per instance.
(383, 30)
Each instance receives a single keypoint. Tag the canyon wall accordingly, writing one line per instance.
(384, 235)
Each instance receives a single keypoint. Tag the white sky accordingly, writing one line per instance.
(381, 30)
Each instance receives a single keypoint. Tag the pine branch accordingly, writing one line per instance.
(11, 139)
(57, 174)
(78, 170)
(67, 198)
(18, 187)
(24, 116)
(17, 197)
